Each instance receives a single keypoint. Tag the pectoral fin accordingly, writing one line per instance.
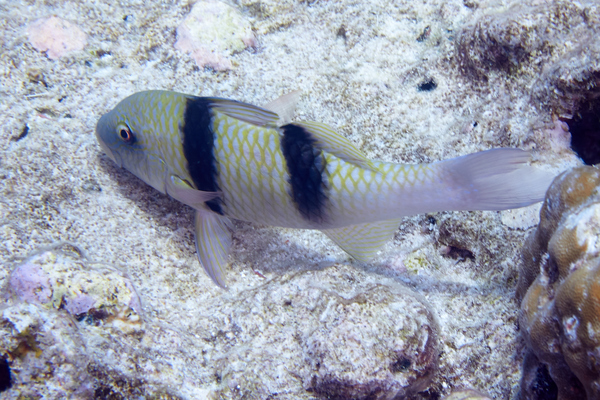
(213, 241)
(181, 190)
(362, 241)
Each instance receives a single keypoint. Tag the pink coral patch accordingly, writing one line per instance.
(80, 304)
(30, 283)
(55, 36)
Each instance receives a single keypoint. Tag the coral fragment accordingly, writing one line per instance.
(55, 36)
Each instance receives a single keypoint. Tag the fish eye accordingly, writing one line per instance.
(125, 134)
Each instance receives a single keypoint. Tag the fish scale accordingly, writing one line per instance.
(366, 196)
(252, 173)
(170, 109)
(247, 180)
(228, 159)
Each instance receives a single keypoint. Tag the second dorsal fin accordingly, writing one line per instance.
(329, 140)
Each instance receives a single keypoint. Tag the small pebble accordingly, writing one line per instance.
(55, 36)
(213, 31)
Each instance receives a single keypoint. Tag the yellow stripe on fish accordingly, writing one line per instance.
(229, 159)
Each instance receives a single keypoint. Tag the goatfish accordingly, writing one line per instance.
(232, 160)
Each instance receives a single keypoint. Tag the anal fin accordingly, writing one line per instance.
(364, 240)
(213, 242)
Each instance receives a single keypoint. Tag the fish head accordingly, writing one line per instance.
(130, 135)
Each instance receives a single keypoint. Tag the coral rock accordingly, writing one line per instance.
(348, 337)
(102, 296)
(503, 39)
(560, 312)
(566, 192)
(572, 80)
(213, 31)
(46, 351)
(467, 394)
(56, 37)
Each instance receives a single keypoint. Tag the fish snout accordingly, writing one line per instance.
(100, 131)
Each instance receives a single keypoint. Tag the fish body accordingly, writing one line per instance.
(231, 160)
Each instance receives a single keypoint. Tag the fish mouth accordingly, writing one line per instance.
(113, 156)
(110, 154)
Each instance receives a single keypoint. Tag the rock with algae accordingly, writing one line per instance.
(570, 88)
(504, 38)
(467, 394)
(560, 286)
(52, 356)
(58, 324)
(46, 353)
(345, 336)
(570, 78)
(336, 333)
(57, 280)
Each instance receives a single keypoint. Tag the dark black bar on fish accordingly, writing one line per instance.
(198, 148)
(305, 165)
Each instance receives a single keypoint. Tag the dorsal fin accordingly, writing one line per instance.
(244, 112)
(329, 140)
(362, 241)
(285, 106)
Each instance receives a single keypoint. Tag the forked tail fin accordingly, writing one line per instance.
(497, 179)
